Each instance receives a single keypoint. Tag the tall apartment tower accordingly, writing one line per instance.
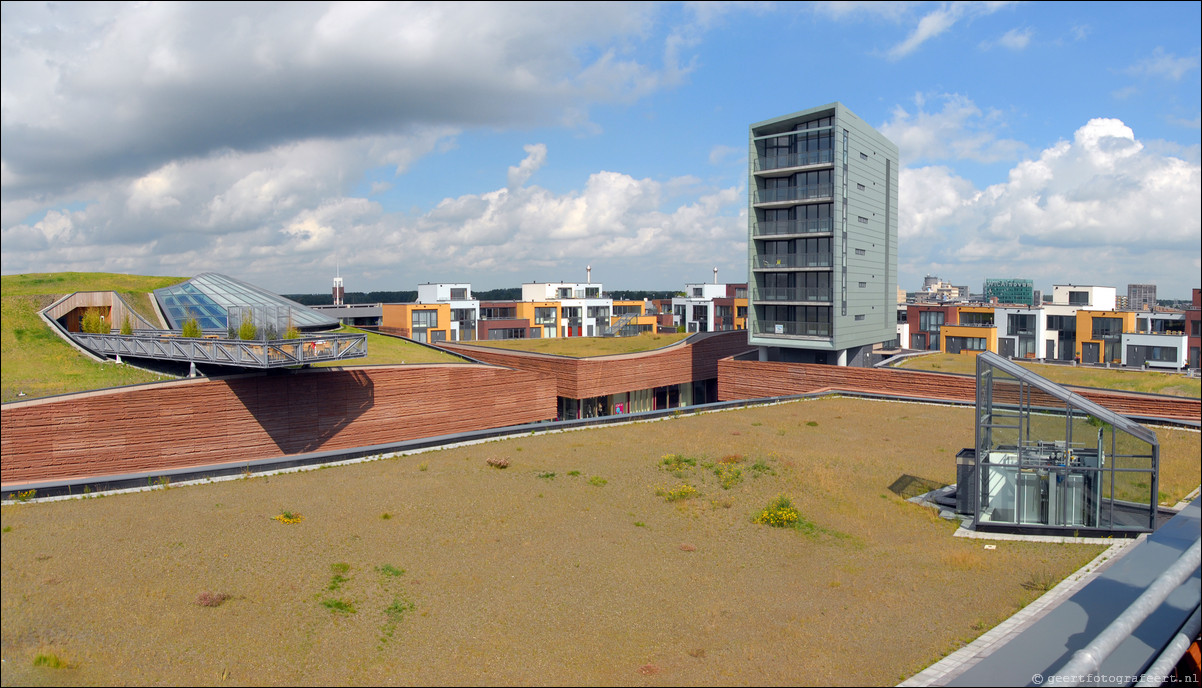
(1141, 296)
(822, 237)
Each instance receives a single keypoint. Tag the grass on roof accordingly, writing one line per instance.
(580, 347)
(385, 350)
(34, 360)
(1148, 381)
(570, 566)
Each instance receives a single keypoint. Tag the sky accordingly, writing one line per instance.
(498, 144)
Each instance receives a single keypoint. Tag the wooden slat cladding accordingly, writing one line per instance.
(580, 378)
(200, 422)
(117, 311)
(754, 380)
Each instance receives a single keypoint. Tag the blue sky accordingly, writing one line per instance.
(498, 144)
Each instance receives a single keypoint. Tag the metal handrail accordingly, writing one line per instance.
(1088, 659)
(221, 351)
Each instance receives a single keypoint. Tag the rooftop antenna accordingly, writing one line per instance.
(588, 272)
(339, 292)
(715, 275)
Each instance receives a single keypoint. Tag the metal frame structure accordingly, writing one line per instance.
(1048, 459)
(278, 353)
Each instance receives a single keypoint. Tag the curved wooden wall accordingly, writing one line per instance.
(237, 419)
(755, 379)
(579, 378)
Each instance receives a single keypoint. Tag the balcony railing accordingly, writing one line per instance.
(776, 162)
(782, 261)
(792, 328)
(778, 227)
(792, 294)
(795, 193)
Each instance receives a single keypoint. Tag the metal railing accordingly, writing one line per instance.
(776, 162)
(821, 225)
(792, 328)
(1088, 659)
(616, 328)
(792, 294)
(277, 353)
(795, 193)
(778, 261)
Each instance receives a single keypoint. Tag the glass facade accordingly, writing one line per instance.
(218, 302)
(1050, 460)
(1010, 291)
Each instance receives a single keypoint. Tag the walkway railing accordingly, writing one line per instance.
(278, 353)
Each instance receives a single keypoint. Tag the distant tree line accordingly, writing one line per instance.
(354, 297)
(626, 295)
(503, 294)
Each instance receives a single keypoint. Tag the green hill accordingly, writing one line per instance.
(37, 363)
(34, 360)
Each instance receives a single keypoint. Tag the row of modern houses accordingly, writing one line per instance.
(449, 313)
(1081, 323)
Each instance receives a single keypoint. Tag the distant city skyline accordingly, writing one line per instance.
(500, 144)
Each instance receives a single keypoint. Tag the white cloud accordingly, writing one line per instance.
(720, 155)
(536, 156)
(280, 215)
(1014, 39)
(1163, 65)
(959, 131)
(90, 94)
(1095, 209)
(939, 21)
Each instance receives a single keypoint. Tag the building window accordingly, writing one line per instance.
(1062, 323)
(863, 284)
(1164, 354)
(930, 321)
(860, 252)
(544, 316)
(863, 220)
(957, 344)
(859, 186)
(860, 317)
(1107, 328)
(458, 293)
(425, 319)
(507, 333)
(1021, 323)
(1078, 298)
(979, 319)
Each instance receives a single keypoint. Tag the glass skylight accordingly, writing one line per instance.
(218, 302)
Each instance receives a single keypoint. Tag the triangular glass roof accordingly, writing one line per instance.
(1069, 397)
(209, 297)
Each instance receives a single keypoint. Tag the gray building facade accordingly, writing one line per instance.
(822, 237)
(1141, 296)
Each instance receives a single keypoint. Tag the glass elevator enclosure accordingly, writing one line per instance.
(1048, 459)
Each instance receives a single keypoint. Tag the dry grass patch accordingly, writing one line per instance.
(1149, 381)
(486, 576)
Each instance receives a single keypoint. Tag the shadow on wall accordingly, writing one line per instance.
(302, 412)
